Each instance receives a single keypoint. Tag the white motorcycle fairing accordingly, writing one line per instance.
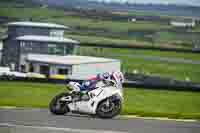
(96, 96)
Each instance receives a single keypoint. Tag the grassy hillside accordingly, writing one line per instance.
(147, 32)
(179, 71)
(59, 16)
(119, 41)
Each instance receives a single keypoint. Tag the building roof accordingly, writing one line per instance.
(67, 60)
(37, 24)
(46, 39)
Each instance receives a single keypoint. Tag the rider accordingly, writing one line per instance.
(91, 83)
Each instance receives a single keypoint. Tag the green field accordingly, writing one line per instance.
(179, 71)
(105, 40)
(121, 52)
(180, 39)
(137, 101)
(197, 29)
(132, 42)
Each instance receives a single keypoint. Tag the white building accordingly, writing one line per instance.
(74, 67)
(133, 20)
(42, 48)
(183, 23)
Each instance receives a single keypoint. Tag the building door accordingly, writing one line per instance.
(44, 69)
(63, 71)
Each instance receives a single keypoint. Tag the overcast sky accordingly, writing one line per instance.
(185, 2)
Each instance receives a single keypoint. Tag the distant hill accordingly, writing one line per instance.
(171, 10)
(175, 10)
(63, 3)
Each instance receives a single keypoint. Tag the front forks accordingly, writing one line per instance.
(107, 103)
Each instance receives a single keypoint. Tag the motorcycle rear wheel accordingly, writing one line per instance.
(57, 107)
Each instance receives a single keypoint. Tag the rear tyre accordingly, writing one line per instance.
(58, 107)
(109, 112)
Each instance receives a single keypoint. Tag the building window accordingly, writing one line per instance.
(23, 68)
(56, 33)
(31, 67)
(12, 66)
(56, 49)
(69, 49)
(27, 46)
(45, 69)
(22, 43)
(63, 71)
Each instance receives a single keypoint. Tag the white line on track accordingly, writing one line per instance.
(8, 107)
(43, 129)
(159, 118)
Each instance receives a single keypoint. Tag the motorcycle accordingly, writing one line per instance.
(104, 102)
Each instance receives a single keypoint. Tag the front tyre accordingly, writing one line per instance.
(57, 106)
(108, 112)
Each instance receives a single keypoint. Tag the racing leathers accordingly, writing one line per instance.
(91, 83)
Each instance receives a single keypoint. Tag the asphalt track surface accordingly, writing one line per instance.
(43, 118)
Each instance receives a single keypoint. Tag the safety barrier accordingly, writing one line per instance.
(142, 82)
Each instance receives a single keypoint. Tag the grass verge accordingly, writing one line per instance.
(161, 103)
(142, 102)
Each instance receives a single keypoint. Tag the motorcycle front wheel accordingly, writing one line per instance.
(104, 111)
(57, 106)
